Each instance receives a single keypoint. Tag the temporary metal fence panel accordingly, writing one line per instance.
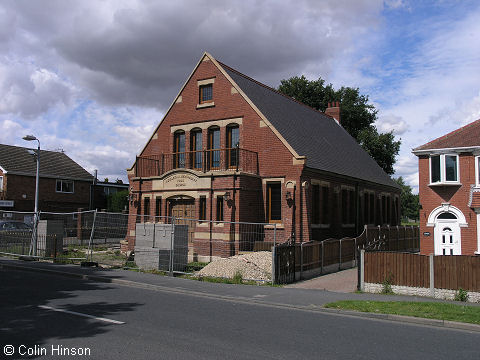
(16, 233)
(19, 235)
(210, 240)
(106, 236)
(197, 241)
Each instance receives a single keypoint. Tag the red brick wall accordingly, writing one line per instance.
(337, 229)
(16, 186)
(433, 196)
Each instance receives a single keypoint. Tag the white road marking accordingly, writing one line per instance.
(80, 314)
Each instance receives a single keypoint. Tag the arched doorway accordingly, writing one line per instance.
(447, 234)
(447, 221)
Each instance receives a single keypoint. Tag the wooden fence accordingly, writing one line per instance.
(423, 271)
(402, 269)
(390, 238)
(319, 257)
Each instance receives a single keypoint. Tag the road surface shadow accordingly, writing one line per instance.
(23, 322)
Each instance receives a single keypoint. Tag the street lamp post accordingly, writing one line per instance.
(35, 224)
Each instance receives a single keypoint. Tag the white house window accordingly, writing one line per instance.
(444, 169)
(65, 186)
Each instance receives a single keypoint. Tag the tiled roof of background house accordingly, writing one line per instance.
(468, 135)
(311, 133)
(18, 160)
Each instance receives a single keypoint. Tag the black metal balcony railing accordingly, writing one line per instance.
(234, 159)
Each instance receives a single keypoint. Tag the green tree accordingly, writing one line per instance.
(409, 203)
(118, 202)
(357, 115)
(382, 147)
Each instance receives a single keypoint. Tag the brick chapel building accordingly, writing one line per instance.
(232, 149)
(449, 192)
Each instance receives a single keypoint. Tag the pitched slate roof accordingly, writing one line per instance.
(18, 160)
(466, 136)
(311, 133)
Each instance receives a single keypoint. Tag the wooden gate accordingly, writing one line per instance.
(284, 263)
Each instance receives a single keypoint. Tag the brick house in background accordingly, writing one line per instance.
(230, 148)
(101, 190)
(64, 185)
(449, 191)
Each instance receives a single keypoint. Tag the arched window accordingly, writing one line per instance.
(179, 149)
(196, 149)
(233, 143)
(214, 147)
(446, 215)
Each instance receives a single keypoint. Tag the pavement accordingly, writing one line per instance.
(344, 281)
(307, 296)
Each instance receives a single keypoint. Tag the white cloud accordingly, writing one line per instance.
(396, 4)
(10, 130)
(388, 123)
(29, 91)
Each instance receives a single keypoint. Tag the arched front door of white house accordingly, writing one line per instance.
(447, 235)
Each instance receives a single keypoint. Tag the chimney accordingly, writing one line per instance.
(333, 110)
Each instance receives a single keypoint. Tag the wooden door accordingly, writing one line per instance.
(184, 212)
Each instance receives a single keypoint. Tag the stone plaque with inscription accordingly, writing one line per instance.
(181, 181)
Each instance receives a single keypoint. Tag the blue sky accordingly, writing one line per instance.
(95, 78)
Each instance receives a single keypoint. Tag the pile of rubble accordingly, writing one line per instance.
(252, 266)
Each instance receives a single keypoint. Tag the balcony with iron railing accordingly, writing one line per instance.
(234, 159)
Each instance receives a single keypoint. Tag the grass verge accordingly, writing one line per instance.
(427, 310)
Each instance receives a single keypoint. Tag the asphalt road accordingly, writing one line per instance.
(163, 324)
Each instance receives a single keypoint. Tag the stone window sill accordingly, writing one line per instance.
(205, 105)
(272, 226)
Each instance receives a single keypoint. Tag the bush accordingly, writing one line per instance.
(461, 295)
(118, 202)
(238, 278)
(387, 284)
